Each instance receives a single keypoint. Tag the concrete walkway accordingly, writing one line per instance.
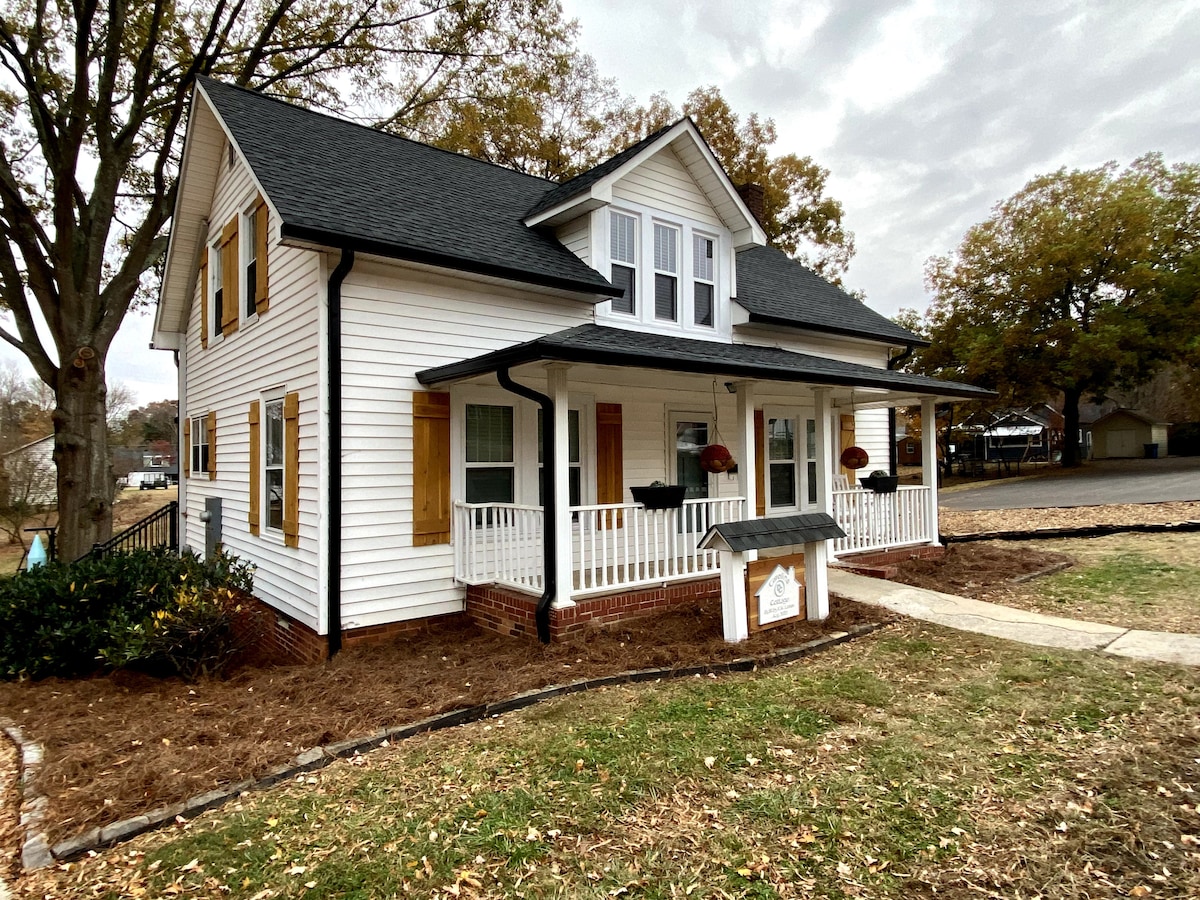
(1015, 624)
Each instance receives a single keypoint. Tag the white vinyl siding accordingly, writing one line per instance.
(662, 182)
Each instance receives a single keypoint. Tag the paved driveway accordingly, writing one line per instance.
(1098, 483)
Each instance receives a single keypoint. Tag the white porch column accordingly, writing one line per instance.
(560, 463)
(816, 580)
(733, 595)
(746, 458)
(929, 463)
(823, 410)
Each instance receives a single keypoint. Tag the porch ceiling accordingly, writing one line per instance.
(599, 345)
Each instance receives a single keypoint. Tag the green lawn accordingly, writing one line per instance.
(915, 762)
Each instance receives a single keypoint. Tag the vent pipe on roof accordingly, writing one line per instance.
(333, 535)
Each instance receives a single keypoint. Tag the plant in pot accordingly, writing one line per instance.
(880, 482)
(659, 495)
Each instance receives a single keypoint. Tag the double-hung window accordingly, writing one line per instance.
(703, 282)
(791, 481)
(490, 466)
(199, 448)
(623, 255)
(217, 280)
(273, 463)
(575, 467)
(666, 273)
(251, 268)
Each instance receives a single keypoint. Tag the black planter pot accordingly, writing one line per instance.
(881, 484)
(664, 497)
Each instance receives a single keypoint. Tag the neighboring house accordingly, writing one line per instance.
(28, 477)
(374, 334)
(908, 450)
(1128, 433)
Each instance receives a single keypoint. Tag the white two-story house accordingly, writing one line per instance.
(420, 384)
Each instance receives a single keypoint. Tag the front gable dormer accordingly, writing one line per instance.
(663, 222)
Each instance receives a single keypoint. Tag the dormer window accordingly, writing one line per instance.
(623, 254)
(703, 282)
(666, 273)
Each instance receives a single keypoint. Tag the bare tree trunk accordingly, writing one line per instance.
(85, 482)
(1071, 456)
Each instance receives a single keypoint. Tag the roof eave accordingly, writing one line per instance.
(894, 340)
(314, 235)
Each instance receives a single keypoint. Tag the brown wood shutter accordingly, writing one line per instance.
(431, 468)
(261, 300)
(187, 448)
(610, 456)
(255, 466)
(760, 463)
(846, 439)
(291, 470)
(204, 300)
(212, 446)
(230, 302)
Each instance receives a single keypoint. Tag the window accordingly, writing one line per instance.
(273, 463)
(251, 257)
(218, 288)
(575, 472)
(910, 448)
(791, 467)
(666, 273)
(491, 472)
(199, 449)
(703, 285)
(623, 255)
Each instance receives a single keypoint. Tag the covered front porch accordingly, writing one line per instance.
(603, 411)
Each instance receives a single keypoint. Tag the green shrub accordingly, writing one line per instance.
(56, 619)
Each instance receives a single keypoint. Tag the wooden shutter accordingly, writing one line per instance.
(187, 448)
(212, 446)
(291, 470)
(230, 302)
(204, 300)
(760, 463)
(255, 466)
(846, 439)
(261, 300)
(610, 457)
(431, 468)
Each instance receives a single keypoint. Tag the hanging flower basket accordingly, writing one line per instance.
(854, 458)
(716, 458)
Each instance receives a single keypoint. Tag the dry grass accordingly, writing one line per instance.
(985, 520)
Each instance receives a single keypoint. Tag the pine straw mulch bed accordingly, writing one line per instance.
(952, 522)
(120, 744)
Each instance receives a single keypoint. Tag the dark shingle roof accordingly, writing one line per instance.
(583, 181)
(618, 347)
(782, 531)
(777, 290)
(341, 184)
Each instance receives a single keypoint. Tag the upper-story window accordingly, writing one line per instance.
(703, 283)
(623, 256)
(250, 254)
(217, 279)
(666, 273)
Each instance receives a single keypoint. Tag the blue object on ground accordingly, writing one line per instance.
(37, 553)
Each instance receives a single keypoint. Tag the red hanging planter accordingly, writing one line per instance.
(716, 458)
(854, 457)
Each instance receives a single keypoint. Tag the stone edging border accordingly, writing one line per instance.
(35, 849)
(36, 853)
(1079, 531)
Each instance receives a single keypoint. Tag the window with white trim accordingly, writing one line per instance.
(490, 465)
(250, 269)
(704, 286)
(216, 290)
(574, 459)
(622, 254)
(666, 273)
(199, 448)
(791, 477)
(273, 463)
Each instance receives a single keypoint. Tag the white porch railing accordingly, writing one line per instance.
(626, 545)
(879, 521)
(499, 543)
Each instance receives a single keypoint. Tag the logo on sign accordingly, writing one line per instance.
(779, 596)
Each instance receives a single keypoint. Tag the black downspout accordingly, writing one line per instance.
(549, 501)
(893, 456)
(333, 535)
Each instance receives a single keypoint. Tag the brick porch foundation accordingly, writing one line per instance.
(883, 563)
(512, 613)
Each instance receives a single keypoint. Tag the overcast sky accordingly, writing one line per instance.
(926, 112)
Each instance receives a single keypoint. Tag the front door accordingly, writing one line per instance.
(691, 437)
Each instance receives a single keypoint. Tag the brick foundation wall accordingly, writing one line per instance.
(512, 613)
(883, 563)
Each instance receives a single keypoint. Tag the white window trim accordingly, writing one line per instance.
(265, 530)
(690, 302)
(645, 320)
(199, 424)
(638, 298)
(215, 334)
(245, 250)
(673, 418)
(677, 232)
(800, 458)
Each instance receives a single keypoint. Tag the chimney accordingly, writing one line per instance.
(752, 195)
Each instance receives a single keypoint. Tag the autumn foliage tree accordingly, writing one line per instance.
(91, 108)
(1077, 283)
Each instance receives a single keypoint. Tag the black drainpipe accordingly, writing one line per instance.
(549, 503)
(333, 536)
(893, 364)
